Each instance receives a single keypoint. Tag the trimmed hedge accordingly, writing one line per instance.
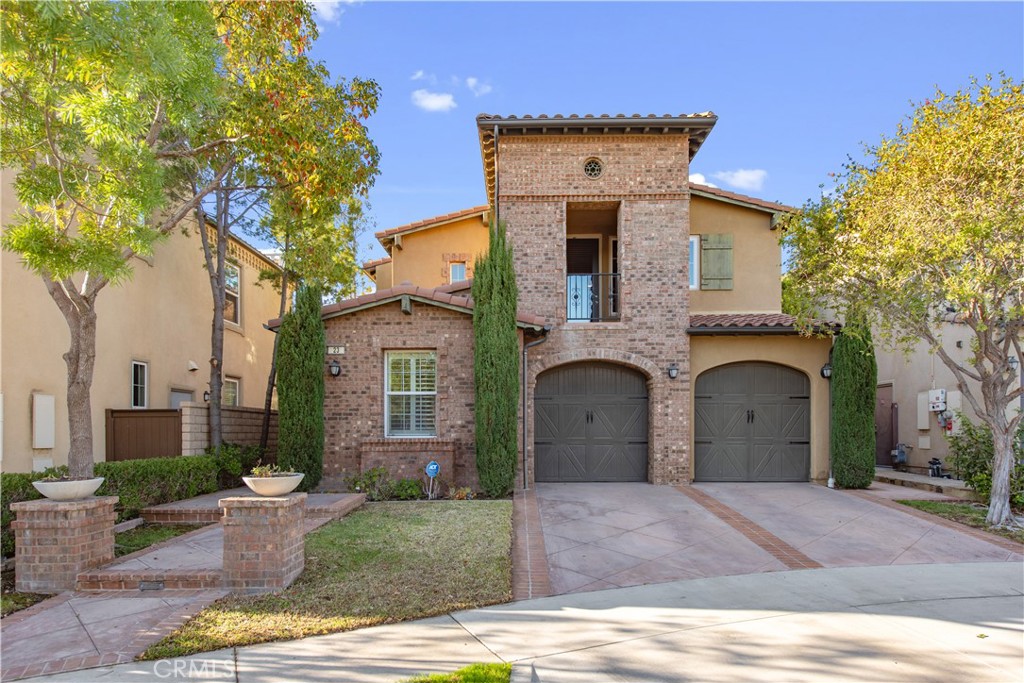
(854, 378)
(138, 484)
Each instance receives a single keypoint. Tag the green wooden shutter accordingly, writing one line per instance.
(716, 261)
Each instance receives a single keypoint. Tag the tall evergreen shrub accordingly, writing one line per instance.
(496, 365)
(300, 388)
(854, 380)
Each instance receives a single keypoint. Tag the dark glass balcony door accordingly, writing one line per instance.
(582, 281)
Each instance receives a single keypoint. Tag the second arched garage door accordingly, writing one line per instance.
(752, 423)
(590, 422)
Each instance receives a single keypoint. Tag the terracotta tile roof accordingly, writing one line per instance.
(370, 265)
(752, 323)
(741, 198)
(597, 117)
(422, 294)
(446, 218)
(463, 285)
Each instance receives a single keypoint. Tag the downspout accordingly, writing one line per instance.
(526, 422)
(496, 216)
(831, 416)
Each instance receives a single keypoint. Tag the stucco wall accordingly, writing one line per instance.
(424, 256)
(647, 178)
(806, 355)
(757, 258)
(161, 316)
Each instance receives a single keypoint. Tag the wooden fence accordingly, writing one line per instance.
(137, 434)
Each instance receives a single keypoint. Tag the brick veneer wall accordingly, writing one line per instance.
(55, 540)
(538, 179)
(239, 425)
(263, 548)
(354, 401)
(408, 458)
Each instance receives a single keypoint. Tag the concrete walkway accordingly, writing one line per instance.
(959, 622)
(599, 536)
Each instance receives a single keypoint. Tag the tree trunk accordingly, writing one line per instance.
(1002, 463)
(269, 398)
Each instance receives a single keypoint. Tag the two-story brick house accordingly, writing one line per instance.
(653, 341)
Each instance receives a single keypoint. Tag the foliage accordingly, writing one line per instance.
(300, 389)
(929, 233)
(265, 471)
(474, 673)
(232, 461)
(971, 514)
(408, 489)
(375, 482)
(460, 493)
(496, 365)
(381, 564)
(971, 459)
(12, 601)
(854, 379)
(137, 483)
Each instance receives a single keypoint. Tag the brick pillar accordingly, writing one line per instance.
(263, 549)
(55, 540)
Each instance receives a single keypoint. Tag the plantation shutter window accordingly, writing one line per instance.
(716, 261)
(410, 387)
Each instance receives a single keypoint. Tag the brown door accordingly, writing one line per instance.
(591, 424)
(885, 426)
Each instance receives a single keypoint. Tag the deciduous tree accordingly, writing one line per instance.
(929, 232)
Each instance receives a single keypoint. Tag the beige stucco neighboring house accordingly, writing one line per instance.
(153, 343)
(651, 329)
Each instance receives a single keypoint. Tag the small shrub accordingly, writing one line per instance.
(233, 461)
(460, 493)
(16, 487)
(407, 489)
(972, 452)
(374, 482)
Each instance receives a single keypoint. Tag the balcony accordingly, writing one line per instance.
(592, 297)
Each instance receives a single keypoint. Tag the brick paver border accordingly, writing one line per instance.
(529, 559)
(767, 541)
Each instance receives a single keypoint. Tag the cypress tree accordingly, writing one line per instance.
(496, 366)
(854, 380)
(300, 388)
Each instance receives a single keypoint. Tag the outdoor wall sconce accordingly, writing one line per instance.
(673, 371)
(826, 371)
(206, 396)
(335, 368)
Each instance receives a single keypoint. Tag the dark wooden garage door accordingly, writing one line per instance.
(752, 423)
(591, 424)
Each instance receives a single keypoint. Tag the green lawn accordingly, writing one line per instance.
(383, 563)
(971, 514)
(474, 673)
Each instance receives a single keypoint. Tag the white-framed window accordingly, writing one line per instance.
(694, 261)
(410, 390)
(457, 271)
(140, 384)
(230, 391)
(232, 289)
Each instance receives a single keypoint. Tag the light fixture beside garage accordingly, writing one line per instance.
(673, 371)
(826, 370)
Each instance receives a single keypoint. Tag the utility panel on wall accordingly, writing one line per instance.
(43, 420)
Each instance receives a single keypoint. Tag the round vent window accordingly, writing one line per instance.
(592, 168)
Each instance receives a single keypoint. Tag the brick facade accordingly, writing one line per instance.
(55, 540)
(540, 178)
(354, 401)
(263, 542)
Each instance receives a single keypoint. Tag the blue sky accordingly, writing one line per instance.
(797, 87)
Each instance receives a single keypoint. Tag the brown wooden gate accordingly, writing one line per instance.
(138, 434)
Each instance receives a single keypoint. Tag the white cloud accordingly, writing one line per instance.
(422, 75)
(701, 180)
(744, 178)
(433, 101)
(478, 88)
(329, 11)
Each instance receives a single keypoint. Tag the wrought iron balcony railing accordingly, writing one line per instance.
(592, 297)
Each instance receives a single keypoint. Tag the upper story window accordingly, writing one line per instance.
(230, 391)
(457, 271)
(410, 390)
(232, 296)
(140, 384)
(694, 261)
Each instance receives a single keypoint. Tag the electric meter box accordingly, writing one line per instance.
(937, 400)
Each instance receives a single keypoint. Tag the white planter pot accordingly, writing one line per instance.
(273, 486)
(68, 490)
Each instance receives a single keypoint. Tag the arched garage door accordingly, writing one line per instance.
(590, 424)
(752, 423)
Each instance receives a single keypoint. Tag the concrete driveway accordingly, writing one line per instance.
(599, 536)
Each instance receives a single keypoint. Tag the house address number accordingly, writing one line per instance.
(335, 350)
